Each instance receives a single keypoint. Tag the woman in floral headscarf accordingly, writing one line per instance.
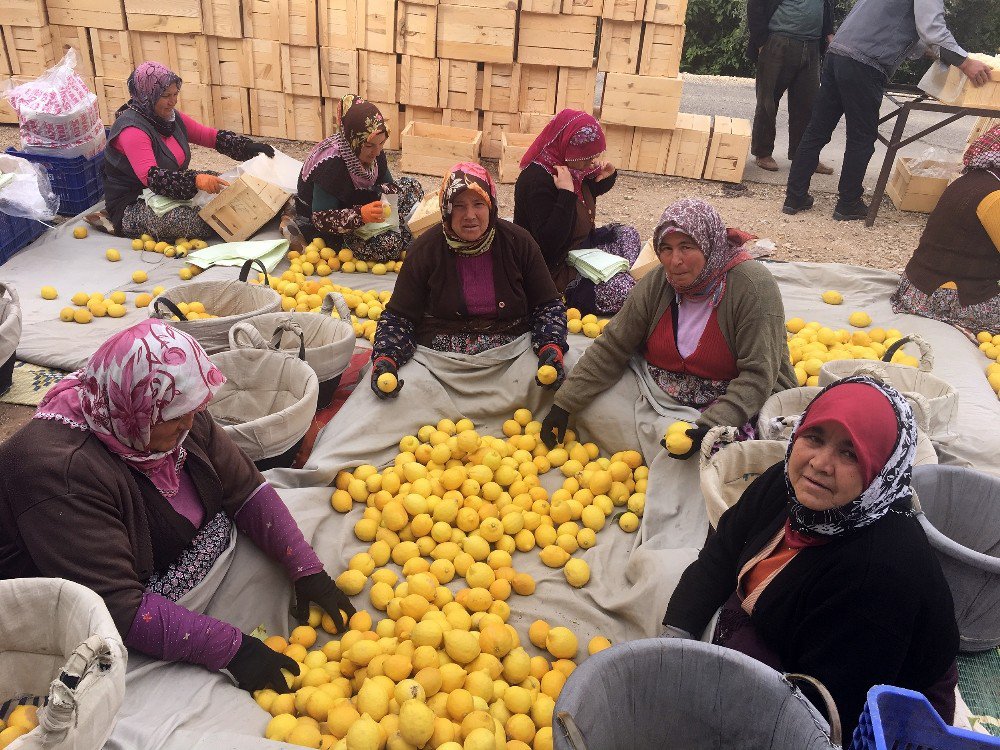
(479, 283)
(341, 186)
(954, 273)
(149, 155)
(555, 199)
(822, 568)
(123, 483)
(710, 328)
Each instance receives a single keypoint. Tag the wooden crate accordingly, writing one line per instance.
(231, 62)
(30, 50)
(532, 122)
(562, 40)
(576, 89)
(689, 146)
(501, 83)
(512, 148)
(285, 21)
(222, 18)
(619, 139)
(265, 64)
(466, 32)
(618, 51)
(275, 114)
(243, 208)
(378, 24)
(650, 150)
(94, 14)
(76, 37)
(537, 89)
(378, 77)
(148, 15)
(727, 154)
(641, 101)
(461, 85)
(112, 53)
(339, 24)
(665, 11)
(426, 115)
(954, 87)
(915, 192)
(419, 78)
(231, 108)
(624, 10)
(338, 71)
(300, 70)
(434, 149)
(462, 118)
(552, 7)
(184, 54)
(483, 4)
(426, 214)
(495, 124)
(195, 100)
(662, 46)
(305, 118)
(111, 94)
(583, 7)
(23, 13)
(416, 29)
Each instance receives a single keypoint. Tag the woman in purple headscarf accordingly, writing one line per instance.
(149, 149)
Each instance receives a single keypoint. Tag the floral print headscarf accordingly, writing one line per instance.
(571, 135)
(145, 86)
(462, 177)
(357, 120)
(984, 152)
(147, 374)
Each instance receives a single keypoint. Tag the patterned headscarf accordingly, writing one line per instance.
(357, 121)
(462, 177)
(984, 152)
(145, 375)
(570, 135)
(722, 250)
(891, 482)
(146, 85)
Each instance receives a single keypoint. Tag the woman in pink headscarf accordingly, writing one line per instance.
(555, 199)
(123, 483)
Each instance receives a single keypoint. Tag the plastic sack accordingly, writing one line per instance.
(29, 194)
(935, 162)
(58, 114)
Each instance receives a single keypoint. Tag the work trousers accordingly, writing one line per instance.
(784, 65)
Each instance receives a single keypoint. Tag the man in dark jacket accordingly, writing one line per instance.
(787, 38)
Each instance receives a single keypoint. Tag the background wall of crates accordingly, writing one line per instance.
(275, 68)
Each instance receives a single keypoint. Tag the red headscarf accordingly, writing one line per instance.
(570, 136)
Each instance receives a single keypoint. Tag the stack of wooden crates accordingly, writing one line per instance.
(276, 68)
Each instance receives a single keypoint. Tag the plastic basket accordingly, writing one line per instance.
(78, 181)
(898, 719)
(16, 234)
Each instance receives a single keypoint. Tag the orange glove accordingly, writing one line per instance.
(209, 183)
(371, 213)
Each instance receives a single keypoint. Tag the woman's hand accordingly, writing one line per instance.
(320, 589)
(697, 434)
(261, 148)
(209, 183)
(563, 179)
(607, 169)
(387, 387)
(551, 355)
(256, 667)
(372, 213)
(554, 426)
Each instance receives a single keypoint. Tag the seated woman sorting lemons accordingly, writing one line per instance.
(710, 328)
(477, 284)
(138, 494)
(147, 183)
(555, 198)
(954, 273)
(822, 568)
(343, 181)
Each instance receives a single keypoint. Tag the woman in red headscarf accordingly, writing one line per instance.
(555, 199)
(822, 568)
(954, 273)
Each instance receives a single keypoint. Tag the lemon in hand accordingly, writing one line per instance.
(386, 382)
(676, 438)
(832, 297)
(547, 374)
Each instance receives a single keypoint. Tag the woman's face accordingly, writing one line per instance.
(470, 215)
(582, 165)
(165, 105)
(372, 148)
(823, 467)
(165, 436)
(680, 257)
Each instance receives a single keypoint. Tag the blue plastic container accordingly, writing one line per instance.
(16, 234)
(77, 181)
(898, 719)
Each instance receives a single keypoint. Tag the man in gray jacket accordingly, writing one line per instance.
(874, 40)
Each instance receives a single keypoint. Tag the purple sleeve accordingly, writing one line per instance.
(266, 520)
(168, 631)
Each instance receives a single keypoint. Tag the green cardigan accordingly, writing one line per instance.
(752, 319)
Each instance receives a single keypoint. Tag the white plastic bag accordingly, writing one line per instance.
(935, 162)
(29, 194)
(58, 114)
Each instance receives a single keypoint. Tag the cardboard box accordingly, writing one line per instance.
(689, 146)
(244, 207)
(467, 32)
(910, 191)
(619, 46)
(512, 149)
(727, 154)
(434, 149)
(426, 214)
(646, 262)
(560, 40)
(641, 101)
(91, 14)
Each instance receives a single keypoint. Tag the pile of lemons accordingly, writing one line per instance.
(812, 344)
(990, 346)
(589, 325)
(96, 305)
(192, 311)
(21, 721)
(179, 249)
(325, 260)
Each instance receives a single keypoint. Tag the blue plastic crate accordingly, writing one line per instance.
(17, 233)
(78, 181)
(898, 719)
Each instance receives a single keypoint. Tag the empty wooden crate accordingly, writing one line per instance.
(243, 208)
(665, 11)
(689, 145)
(641, 101)
(177, 17)
(727, 156)
(29, 49)
(537, 89)
(91, 14)
(619, 47)
(419, 78)
(338, 71)
(576, 89)
(434, 149)
(650, 150)
(26, 12)
(461, 85)
(512, 148)
(416, 29)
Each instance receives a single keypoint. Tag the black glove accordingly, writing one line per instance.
(697, 434)
(254, 148)
(255, 666)
(321, 589)
(554, 426)
(383, 365)
(551, 354)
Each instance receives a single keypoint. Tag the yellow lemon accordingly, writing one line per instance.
(143, 299)
(547, 374)
(577, 572)
(461, 646)
(561, 643)
(118, 298)
(137, 244)
(82, 315)
(80, 232)
(386, 382)
(80, 298)
(416, 722)
(554, 556)
(364, 734)
(629, 522)
(280, 727)
(795, 325)
(139, 277)
(598, 643)
(185, 274)
(860, 319)
(678, 443)
(832, 297)
(113, 255)
(116, 311)
(66, 314)
(351, 582)
(49, 292)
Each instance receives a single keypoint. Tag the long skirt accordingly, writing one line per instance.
(942, 304)
(608, 297)
(182, 221)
